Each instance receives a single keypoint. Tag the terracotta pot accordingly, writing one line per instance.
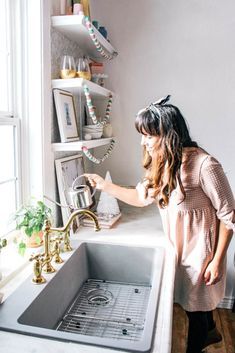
(35, 240)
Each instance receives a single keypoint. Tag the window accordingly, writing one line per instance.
(21, 143)
(10, 186)
(21, 123)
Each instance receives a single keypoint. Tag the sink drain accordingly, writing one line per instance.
(99, 296)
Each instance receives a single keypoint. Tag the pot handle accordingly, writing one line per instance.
(75, 181)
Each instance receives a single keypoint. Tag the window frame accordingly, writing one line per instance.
(30, 102)
(26, 88)
(11, 117)
(15, 122)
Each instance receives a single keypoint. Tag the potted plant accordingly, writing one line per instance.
(30, 219)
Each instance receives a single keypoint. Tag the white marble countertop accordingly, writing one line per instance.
(137, 226)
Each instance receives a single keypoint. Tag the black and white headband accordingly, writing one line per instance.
(152, 107)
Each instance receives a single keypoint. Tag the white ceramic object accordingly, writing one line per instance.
(108, 130)
(87, 137)
(91, 130)
(95, 131)
(93, 127)
(96, 135)
(92, 134)
(107, 204)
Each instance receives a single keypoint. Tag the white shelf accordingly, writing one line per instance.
(77, 145)
(74, 28)
(75, 86)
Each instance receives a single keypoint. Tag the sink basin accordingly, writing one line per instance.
(104, 294)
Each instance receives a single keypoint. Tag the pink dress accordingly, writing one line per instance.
(192, 225)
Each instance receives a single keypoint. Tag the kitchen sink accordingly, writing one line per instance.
(104, 294)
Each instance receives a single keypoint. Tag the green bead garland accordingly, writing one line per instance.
(98, 160)
(91, 109)
(95, 40)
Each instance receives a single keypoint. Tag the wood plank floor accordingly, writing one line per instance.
(225, 322)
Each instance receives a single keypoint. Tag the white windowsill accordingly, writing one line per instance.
(14, 267)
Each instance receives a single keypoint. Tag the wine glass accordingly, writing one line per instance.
(67, 67)
(83, 69)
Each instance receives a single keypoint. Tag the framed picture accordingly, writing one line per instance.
(65, 111)
(67, 170)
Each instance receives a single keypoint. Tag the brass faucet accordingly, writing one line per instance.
(65, 229)
(43, 261)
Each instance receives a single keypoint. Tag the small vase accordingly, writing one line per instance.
(108, 130)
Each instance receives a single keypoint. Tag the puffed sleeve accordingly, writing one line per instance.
(144, 199)
(216, 186)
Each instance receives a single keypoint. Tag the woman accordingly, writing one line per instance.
(197, 210)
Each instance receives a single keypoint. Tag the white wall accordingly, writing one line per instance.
(183, 48)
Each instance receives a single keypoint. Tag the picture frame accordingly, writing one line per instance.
(66, 116)
(67, 170)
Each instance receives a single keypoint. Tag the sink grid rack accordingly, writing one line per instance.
(108, 309)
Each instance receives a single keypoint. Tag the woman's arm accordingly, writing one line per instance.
(129, 196)
(213, 271)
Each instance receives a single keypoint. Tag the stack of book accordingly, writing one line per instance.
(105, 221)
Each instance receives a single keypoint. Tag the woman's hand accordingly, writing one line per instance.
(213, 273)
(215, 268)
(96, 181)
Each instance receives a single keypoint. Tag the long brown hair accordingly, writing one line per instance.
(163, 168)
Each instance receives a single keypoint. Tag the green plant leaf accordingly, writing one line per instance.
(37, 228)
(28, 231)
(21, 248)
(31, 218)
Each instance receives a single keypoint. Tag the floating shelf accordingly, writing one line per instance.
(74, 28)
(75, 86)
(77, 145)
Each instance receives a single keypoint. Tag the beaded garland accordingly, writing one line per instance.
(95, 40)
(91, 109)
(98, 160)
(90, 106)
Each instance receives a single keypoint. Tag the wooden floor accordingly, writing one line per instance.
(225, 322)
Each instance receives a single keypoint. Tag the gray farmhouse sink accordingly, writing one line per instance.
(104, 294)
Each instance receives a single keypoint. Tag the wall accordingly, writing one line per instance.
(182, 48)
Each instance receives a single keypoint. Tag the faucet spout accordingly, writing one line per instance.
(75, 214)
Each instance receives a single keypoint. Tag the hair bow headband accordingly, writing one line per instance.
(153, 106)
(163, 100)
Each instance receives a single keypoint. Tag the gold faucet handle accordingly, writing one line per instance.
(56, 249)
(36, 257)
(37, 269)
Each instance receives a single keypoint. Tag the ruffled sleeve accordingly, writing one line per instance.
(216, 186)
